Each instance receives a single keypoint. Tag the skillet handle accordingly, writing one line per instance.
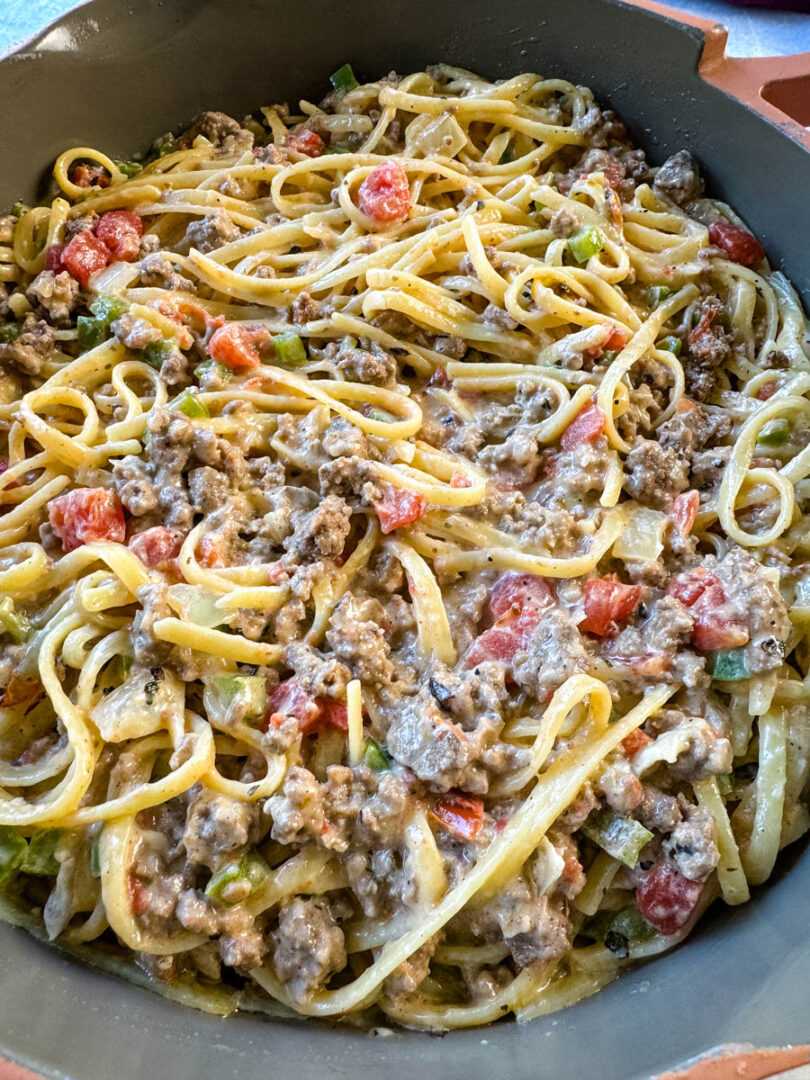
(777, 87)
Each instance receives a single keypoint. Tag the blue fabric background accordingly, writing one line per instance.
(753, 32)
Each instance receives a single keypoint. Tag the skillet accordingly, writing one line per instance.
(113, 75)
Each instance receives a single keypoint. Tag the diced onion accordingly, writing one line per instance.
(147, 702)
(197, 605)
(434, 135)
(643, 536)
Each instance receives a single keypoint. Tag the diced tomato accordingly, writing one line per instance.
(53, 258)
(87, 514)
(607, 603)
(334, 714)
(138, 895)
(767, 390)
(84, 255)
(385, 195)
(496, 643)
(517, 604)
(514, 593)
(618, 339)
(313, 714)
(615, 337)
(235, 345)
(277, 573)
(459, 480)
(666, 898)
(120, 231)
(715, 630)
(586, 427)
(739, 244)
(290, 699)
(157, 546)
(210, 554)
(305, 142)
(685, 404)
(635, 741)
(399, 507)
(710, 310)
(690, 587)
(461, 814)
(717, 623)
(89, 176)
(684, 511)
(613, 172)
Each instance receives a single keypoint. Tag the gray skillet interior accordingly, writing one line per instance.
(114, 74)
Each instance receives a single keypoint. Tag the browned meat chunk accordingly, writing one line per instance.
(448, 732)
(358, 635)
(692, 845)
(373, 365)
(55, 295)
(308, 946)
(218, 828)
(678, 179)
(211, 232)
(655, 475)
(351, 808)
(554, 652)
(35, 344)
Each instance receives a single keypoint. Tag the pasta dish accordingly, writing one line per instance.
(404, 583)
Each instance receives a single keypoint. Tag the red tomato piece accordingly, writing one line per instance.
(607, 603)
(666, 898)
(717, 623)
(513, 593)
(305, 142)
(84, 255)
(618, 339)
(684, 511)
(235, 345)
(461, 814)
(210, 554)
(313, 714)
(290, 699)
(613, 172)
(53, 258)
(709, 312)
(690, 587)
(767, 390)
(459, 480)
(138, 895)
(157, 546)
(399, 507)
(385, 194)
(613, 338)
(635, 741)
(89, 176)
(739, 244)
(497, 643)
(334, 714)
(87, 514)
(586, 427)
(120, 231)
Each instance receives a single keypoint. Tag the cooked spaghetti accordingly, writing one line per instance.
(404, 555)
